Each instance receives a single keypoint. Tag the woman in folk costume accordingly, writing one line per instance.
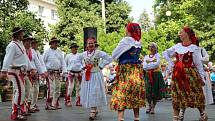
(187, 75)
(128, 92)
(92, 86)
(155, 85)
(207, 89)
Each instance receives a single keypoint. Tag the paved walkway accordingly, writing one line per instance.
(163, 113)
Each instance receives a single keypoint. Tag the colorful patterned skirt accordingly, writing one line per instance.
(155, 89)
(187, 93)
(129, 90)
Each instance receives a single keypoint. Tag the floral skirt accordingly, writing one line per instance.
(155, 90)
(129, 90)
(181, 97)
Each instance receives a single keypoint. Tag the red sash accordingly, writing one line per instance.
(150, 75)
(29, 53)
(180, 75)
(88, 71)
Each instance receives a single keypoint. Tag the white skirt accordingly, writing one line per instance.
(93, 91)
(207, 89)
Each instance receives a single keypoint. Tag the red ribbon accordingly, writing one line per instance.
(29, 53)
(191, 34)
(134, 30)
(179, 74)
(88, 71)
(150, 75)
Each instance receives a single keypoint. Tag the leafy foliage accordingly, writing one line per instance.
(159, 36)
(76, 14)
(14, 13)
(195, 13)
(145, 21)
(117, 16)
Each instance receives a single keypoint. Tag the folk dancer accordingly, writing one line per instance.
(155, 86)
(187, 75)
(55, 64)
(92, 85)
(207, 89)
(32, 79)
(129, 89)
(36, 83)
(74, 68)
(15, 65)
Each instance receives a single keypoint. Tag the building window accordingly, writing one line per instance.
(41, 10)
(51, 0)
(54, 14)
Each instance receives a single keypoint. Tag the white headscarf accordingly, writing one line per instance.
(154, 45)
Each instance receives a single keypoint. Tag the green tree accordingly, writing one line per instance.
(32, 25)
(145, 21)
(7, 10)
(195, 13)
(117, 15)
(14, 13)
(76, 14)
(159, 36)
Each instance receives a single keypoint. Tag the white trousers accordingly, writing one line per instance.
(74, 79)
(54, 86)
(18, 81)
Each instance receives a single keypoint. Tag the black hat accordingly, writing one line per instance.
(54, 39)
(17, 29)
(74, 45)
(27, 37)
(34, 41)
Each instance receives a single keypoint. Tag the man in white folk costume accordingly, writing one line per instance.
(36, 85)
(55, 65)
(74, 67)
(32, 79)
(15, 66)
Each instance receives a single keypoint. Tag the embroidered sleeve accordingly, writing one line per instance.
(205, 56)
(122, 47)
(106, 59)
(198, 64)
(63, 63)
(45, 56)
(37, 62)
(168, 54)
(67, 61)
(8, 59)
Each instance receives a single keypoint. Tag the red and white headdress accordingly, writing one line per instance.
(135, 30)
(191, 34)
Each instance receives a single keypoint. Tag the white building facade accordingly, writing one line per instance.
(45, 10)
